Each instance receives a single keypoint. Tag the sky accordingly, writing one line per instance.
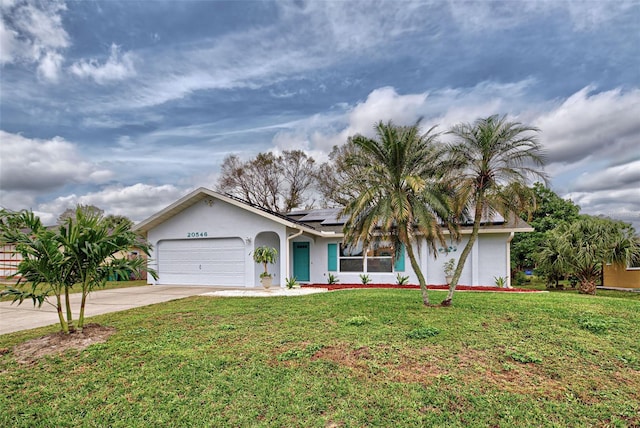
(130, 105)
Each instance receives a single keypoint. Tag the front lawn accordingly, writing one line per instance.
(347, 358)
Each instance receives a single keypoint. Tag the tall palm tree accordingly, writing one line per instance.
(401, 193)
(494, 160)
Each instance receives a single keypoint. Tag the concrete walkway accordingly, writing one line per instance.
(26, 316)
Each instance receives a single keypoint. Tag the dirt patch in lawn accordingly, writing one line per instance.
(58, 343)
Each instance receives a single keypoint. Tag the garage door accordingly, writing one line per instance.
(214, 261)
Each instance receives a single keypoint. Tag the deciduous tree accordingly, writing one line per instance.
(278, 183)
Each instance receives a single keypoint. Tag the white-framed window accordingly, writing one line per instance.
(634, 265)
(377, 258)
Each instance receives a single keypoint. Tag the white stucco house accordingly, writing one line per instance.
(207, 238)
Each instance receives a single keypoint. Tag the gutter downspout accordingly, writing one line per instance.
(509, 259)
(288, 259)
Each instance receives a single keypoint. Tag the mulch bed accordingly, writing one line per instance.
(332, 287)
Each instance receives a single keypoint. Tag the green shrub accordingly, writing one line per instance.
(365, 279)
(402, 280)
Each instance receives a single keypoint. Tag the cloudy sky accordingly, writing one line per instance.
(128, 105)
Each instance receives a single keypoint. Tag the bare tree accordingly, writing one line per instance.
(335, 179)
(86, 210)
(278, 183)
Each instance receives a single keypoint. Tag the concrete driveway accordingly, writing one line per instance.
(26, 316)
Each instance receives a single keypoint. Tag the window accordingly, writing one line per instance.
(378, 258)
(635, 264)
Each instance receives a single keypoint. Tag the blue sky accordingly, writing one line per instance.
(128, 105)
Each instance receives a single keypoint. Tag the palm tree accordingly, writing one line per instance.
(81, 251)
(494, 159)
(401, 195)
(584, 246)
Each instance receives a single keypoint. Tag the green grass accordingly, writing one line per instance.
(344, 359)
(76, 289)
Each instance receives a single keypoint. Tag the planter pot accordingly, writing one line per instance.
(266, 282)
(449, 279)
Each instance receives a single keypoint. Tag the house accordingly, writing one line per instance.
(207, 238)
(9, 260)
(621, 276)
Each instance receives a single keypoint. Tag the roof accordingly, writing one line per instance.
(318, 222)
(203, 193)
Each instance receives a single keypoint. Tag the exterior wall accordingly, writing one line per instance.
(220, 220)
(492, 258)
(318, 254)
(618, 276)
(435, 262)
(488, 259)
(9, 260)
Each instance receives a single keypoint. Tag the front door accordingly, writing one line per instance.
(301, 261)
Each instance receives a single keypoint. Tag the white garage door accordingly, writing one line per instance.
(213, 261)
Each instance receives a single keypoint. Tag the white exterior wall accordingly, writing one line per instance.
(493, 258)
(320, 273)
(221, 220)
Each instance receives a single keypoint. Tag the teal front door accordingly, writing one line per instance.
(301, 261)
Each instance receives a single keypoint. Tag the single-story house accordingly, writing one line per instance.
(207, 238)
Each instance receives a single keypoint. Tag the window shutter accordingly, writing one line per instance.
(399, 265)
(332, 257)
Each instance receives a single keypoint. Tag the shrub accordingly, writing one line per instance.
(402, 280)
(332, 279)
(365, 278)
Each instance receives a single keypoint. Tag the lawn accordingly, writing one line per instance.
(342, 359)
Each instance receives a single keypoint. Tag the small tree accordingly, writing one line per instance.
(82, 251)
(265, 255)
(583, 247)
(493, 160)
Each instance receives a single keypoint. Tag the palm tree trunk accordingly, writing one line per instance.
(68, 307)
(63, 323)
(418, 271)
(85, 292)
(464, 255)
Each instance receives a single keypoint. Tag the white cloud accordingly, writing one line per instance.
(619, 204)
(36, 165)
(615, 177)
(137, 201)
(32, 32)
(8, 42)
(49, 67)
(583, 15)
(117, 67)
(592, 126)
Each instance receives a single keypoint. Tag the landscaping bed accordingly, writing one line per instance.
(332, 287)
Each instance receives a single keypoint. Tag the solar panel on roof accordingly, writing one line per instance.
(321, 214)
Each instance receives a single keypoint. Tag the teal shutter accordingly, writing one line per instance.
(332, 257)
(399, 265)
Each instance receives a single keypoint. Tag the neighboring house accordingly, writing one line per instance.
(207, 238)
(621, 276)
(9, 260)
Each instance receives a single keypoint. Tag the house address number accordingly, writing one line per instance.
(196, 234)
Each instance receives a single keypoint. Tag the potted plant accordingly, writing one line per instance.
(265, 255)
(449, 269)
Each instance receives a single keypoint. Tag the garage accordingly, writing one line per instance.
(212, 261)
